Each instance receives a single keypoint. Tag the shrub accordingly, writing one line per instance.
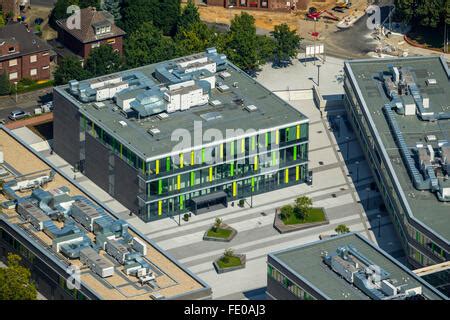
(186, 217)
(286, 211)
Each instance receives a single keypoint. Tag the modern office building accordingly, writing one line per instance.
(399, 109)
(182, 135)
(345, 267)
(74, 248)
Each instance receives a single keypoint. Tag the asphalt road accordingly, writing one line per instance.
(355, 42)
(27, 102)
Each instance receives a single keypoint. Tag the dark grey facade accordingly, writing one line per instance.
(66, 129)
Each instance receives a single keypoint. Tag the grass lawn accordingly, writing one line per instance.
(314, 215)
(232, 262)
(219, 233)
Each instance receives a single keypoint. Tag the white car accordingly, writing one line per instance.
(18, 114)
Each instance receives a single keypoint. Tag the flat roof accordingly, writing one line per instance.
(306, 263)
(425, 207)
(272, 112)
(172, 279)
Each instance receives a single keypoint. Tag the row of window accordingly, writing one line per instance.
(288, 284)
(234, 189)
(232, 170)
(33, 73)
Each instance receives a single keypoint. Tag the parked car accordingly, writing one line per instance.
(48, 105)
(18, 114)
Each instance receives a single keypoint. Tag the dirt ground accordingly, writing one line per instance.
(44, 13)
(266, 21)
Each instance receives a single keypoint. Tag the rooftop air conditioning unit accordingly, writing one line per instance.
(431, 82)
(251, 108)
(154, 131)
(122, 123)
(162, 116)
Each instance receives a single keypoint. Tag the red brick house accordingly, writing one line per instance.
(23, 54)
(272, 5)
(97, 28)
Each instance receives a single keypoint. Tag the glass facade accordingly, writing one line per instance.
(419, 248)
(241, 167)
(296, 290)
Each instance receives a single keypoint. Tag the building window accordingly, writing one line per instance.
(45, 68)
(111, 41)
(11, 49)
(33, 72)
(13, 63)
(95, 45)
(33, 58)
(13, 76)
(45, 54)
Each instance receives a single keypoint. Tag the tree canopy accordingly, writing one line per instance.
(5, 85)
(427, 13)
(162, 13)
(287, 43)
(189, 16)
(15, 281)
(103, 60)
(148, 45)
(70, 68)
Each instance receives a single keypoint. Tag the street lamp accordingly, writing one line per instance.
(357, 171)
(229, 12)
(368, 198)
(379, 225)
(15, 85)
(318, 74)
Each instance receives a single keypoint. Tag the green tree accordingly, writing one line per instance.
(89, 3)
(341, 229)
(113, 7)
(103, 60)
(5, 85)
(2, 19)
(286, 211)
(162, 13)
(70, 69)
(430, 12)
(189, 16)
(15, 281)
(148, 45)
(137, 12)
(60, 10)
(194, 38)
(302, 207)
(287, 43)
(242, 43)
(266, 48)
(405, 9)
(217, 224)
(227, 254)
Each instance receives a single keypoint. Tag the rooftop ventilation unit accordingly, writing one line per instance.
(122, 123)
(431, 82)
(224, 74)
(162, 116)
(154, 131)
(223, 88)
(251, 108)
(215, 103)
(211, 116)
(98, 105)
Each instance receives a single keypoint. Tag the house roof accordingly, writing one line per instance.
(29, 43)
(91, 18)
